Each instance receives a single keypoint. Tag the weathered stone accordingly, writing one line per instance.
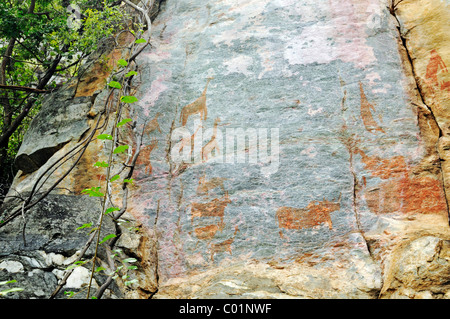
(60, 120)
(49, 242)
(79, 278)
(424, 264)
(342, 196)
(11, 266)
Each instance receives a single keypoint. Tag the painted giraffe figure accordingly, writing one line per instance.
(189, 140)
(366, 113)
(212, 144)
(196, 107)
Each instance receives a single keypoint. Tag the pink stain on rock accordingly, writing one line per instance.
(343, 36)
(158, 86)
(350, 23)
(155, 56)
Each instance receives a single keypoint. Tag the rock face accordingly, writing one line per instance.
(291, 149)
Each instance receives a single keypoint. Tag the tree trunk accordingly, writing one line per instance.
(7, 111)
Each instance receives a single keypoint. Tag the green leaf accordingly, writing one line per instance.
(130, 181)
(107, 237)
(140, 41)
(114, 178)
(130, 282)
(120, 149)
(129, 260)
(115, 84)
(7, 282)
(131, 73)
(105, 137)
(69, 293)
(123, 122)
(93, 192)
(100, 269)
(128, 99)
(76, 264)
(88, 225)
(111, 209)
(132, 267)
(4, 292)
(122, 62)
(101, 164)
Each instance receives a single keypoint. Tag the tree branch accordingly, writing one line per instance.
(30, 51)
(22, 88)
(149, 26)
(32, 6)
(26, 109)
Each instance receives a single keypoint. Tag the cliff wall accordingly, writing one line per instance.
(320, 134)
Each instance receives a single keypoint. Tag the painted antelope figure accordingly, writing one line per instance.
(212, 144)
(204, 186)
(144, 156)
(214, 208)
(208, 232)
(198, 106)
(224, 246)
(153, 124)
(316, 213)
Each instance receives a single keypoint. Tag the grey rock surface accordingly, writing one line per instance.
(337, 192)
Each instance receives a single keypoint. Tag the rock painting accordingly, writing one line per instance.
(153, 125)
(366, 113)
(398, 191)
(144, 156)
(196, 107)
(204, 185)
(316, 213)
(224, 246)
(208, 232)
(212, 145)
(213, 208)
(436, 69)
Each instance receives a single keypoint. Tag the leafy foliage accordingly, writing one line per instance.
(120, 149)
(29, 44)
(41, 50)
(129, 99)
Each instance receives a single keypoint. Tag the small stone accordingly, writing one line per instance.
(79, 278)
(423, 295)
(11, 266)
